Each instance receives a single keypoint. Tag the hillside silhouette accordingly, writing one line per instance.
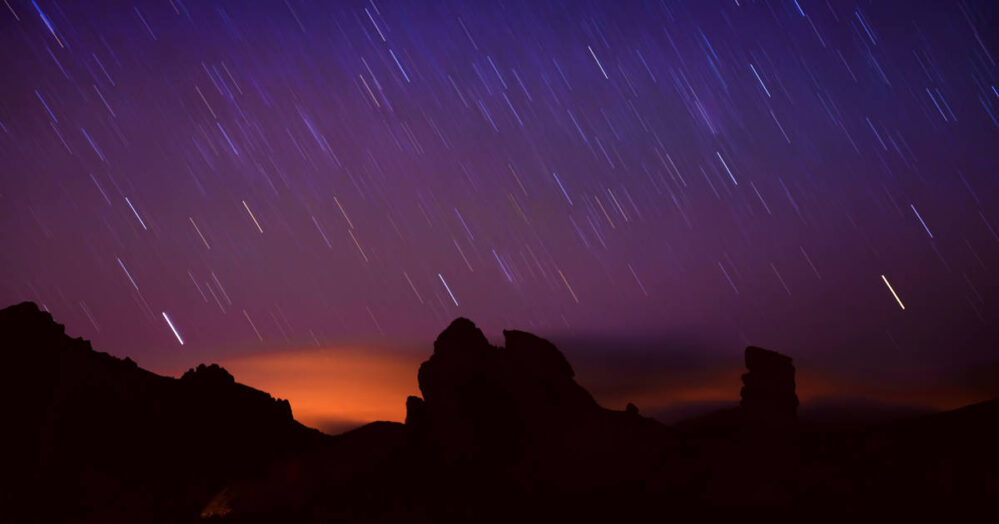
(96, 438)
(498, 434)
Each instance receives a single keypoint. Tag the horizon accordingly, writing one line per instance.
(379, 379)
(320, 404)
(336, 390)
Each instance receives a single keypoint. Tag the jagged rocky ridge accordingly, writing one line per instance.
(96, 438)
(498, 434)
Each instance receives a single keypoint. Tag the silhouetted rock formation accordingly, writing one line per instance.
(500, 434)
(768, 390)
(213, 374)
(768, 453)
(482, 401)
(514, 419)
(99, 439)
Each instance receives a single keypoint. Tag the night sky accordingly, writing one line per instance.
(642, 182)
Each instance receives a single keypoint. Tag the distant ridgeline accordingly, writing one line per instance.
(499, 434)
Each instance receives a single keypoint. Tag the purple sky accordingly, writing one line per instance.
(677, 177)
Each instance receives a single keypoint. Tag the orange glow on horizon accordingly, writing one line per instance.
(334, 389)
(337, 389)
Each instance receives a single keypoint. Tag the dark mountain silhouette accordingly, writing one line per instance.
(499, 434)
(91, 437)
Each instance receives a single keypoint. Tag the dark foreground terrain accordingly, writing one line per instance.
(500, 434)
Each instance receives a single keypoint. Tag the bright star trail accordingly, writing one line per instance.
(172, 328)
(695, 175)
(893, 293)
(448, 288)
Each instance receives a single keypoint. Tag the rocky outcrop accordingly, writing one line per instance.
(213, 374)
(466, 378)
(768, 387)
(486, 402)
(515, 416)
(768, 454)
(106, 441)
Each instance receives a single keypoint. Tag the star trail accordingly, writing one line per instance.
(285, 174)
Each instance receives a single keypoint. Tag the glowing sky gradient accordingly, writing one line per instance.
(260, 177)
